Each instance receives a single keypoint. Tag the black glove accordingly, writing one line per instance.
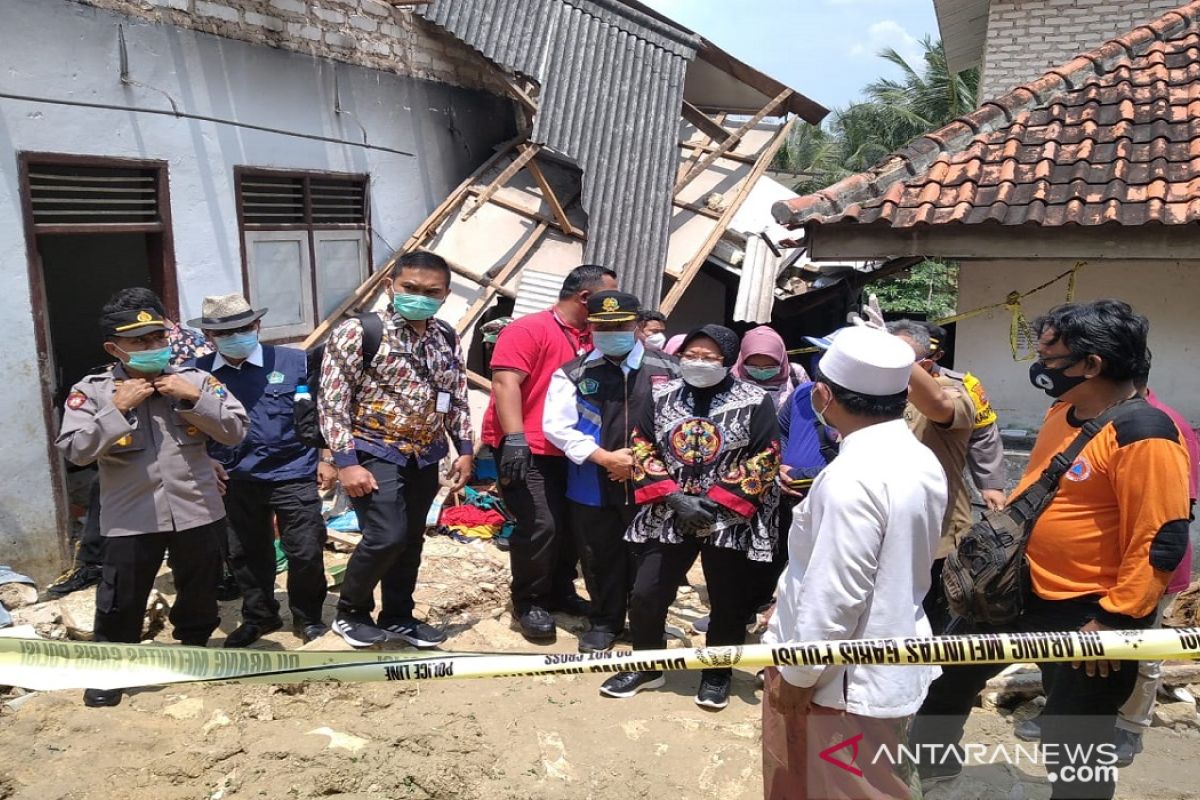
(515, 459)
(694, 516)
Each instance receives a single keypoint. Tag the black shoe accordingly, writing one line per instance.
(249, 632)
(313, 631)
(358, 634)
(1129, 744)
(416, 633)
(933, 774)
(1030, 730)
(82, 578)
(627, 684)
(714, 691)
(572, 604)
(101, 698)
(596, 641)
(228, 589)
(537, 624)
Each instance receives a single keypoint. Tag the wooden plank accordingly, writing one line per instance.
(689, 272)
(524, 157)
(481, 303)
(560, 213)
(733, 139)
(431, 223)
(698, 209)
(708, 148)
(517, 208)
(478, 381)
(459, 269)
(704, 123)
(518, 93)
(688, 159)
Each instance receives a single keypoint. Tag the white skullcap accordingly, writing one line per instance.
(868, 361)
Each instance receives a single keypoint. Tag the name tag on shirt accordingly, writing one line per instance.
(443, 402)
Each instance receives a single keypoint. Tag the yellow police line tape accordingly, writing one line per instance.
(41, 664)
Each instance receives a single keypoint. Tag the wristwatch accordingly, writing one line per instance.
(328, 460)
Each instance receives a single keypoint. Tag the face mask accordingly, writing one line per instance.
(657, 340)
(1053, 381)
(812, 400)
(415, 307)
(237, 345)
(148, 362)
(614, 343)
(761, 374)
(702, 374)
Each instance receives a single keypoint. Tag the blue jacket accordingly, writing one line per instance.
(800, 436)
(271, 450)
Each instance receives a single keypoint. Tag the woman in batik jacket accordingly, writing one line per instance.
(703, 456)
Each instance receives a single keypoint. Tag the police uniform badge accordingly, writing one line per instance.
(275, 377)
(75, 400)
(611, 304)
(589, 386)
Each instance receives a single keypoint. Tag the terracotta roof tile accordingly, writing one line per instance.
(1110, 137)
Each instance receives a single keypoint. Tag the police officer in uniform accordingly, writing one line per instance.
(272, 474)
(590, 406)
(147, 424)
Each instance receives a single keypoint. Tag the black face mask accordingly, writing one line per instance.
(1054, 382)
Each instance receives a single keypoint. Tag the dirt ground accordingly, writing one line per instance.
(549, 737)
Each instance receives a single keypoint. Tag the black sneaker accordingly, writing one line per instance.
(714, 691)
(1129, 744)
(313, 631)
(416, 633)
(82, 578)
(248, 633)
(101, 698)
(596, 641)
(358, 634)
(627, 684)
(1030, 730)
(537, 624)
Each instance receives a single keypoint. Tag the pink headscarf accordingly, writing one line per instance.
(762, 341)
(674, 343)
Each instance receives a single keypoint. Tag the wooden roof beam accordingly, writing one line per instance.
(733, 140)
(704, 123)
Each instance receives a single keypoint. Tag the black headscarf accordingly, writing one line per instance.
(726, 339)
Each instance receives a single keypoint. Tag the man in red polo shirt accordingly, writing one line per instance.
(533, 472)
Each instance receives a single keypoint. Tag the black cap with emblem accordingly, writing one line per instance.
(131, 324)
(613, 306)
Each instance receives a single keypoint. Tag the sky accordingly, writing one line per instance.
(825, 49)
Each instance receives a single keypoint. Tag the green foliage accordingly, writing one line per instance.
(930, 288)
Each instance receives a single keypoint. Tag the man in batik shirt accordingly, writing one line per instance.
(387, 423)
(703, 456)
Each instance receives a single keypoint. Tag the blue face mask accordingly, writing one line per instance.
(237, 345)
(614, 343)
(148, 362)
(761, 374)
(415, 307)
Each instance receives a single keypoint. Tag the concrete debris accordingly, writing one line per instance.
(1176, 715)
(78, 611)
(17, 595)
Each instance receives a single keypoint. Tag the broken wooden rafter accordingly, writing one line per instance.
(517, 208)
(733, 140)
(685, 164)
(519, 93)
(708, 148)
(481, 303)
(696, 208)
(525, 155)
(764, 160)
(704, 123)
(560, 213)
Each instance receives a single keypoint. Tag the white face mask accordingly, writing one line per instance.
(702, 374)
(656, 340)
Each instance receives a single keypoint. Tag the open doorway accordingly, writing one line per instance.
(93, 226)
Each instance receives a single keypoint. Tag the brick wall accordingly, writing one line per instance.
(369, 33)
(1027, 37)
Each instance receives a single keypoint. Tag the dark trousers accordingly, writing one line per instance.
(764, 575)
(937, 607)
(1080, 713)
(131, 564)
(253, 507)
(91, 544)
(392, 519)
(606, 560)
(541, 551)
(658, 570)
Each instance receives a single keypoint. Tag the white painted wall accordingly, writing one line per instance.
(1166, 292)
(58, 49)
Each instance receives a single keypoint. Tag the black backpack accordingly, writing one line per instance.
(986, 577)
(308, 428)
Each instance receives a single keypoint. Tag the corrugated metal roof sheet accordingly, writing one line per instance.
(612, 83)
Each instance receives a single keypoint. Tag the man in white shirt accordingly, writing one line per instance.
(861, 547)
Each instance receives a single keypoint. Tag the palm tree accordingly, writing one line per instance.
(926, 100)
